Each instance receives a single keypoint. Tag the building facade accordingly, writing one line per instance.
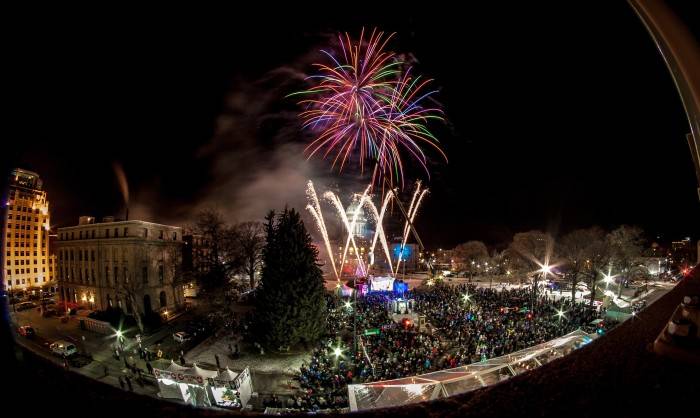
(25, 242)
(196, 253)
(125, 264)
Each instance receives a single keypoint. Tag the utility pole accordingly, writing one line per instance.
(354, 320)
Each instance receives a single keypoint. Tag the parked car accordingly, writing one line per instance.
(26, 331)
(181, 337)
(63, 348)
(23, 306)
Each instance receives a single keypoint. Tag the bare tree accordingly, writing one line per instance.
(530, 249)
(584, 253)
(468, 254)
(626, 246)
(211, 226)
(599, 261)
(249, 243)
(131, 288)
(174, 273)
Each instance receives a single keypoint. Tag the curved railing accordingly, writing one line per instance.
(450, 382)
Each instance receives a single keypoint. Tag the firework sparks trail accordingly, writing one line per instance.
(412, 210)
(379, 233)
(315, 208)
(349, 226)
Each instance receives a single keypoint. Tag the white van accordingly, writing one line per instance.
(63, 348)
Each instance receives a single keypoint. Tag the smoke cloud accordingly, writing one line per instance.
(257, 152)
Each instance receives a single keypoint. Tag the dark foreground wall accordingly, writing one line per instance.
(613, 376)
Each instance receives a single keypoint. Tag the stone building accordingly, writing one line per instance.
(126, 264)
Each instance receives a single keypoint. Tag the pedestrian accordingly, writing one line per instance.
(182, 360)
(128, 383)
(149, 367)
(65, 363)
(106, 371)
(121, 382)
(218, 362)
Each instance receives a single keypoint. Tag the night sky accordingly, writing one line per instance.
(559, 117)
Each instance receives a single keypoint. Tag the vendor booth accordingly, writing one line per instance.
(201, 387)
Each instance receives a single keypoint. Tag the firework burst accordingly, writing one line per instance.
(363, 105)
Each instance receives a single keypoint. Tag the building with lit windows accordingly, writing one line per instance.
(682, 254)
(25, 242)
(124, 264)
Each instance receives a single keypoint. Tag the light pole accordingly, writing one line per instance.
(546, 269)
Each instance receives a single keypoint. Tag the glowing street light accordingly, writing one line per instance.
(561, 314)
(337, 352)
(546, 269)
(608, 278)
(348, 305)
(466, 297)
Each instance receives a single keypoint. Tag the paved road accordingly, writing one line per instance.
(99, 347)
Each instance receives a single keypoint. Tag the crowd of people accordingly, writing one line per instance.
(480, 323)
(466, 325)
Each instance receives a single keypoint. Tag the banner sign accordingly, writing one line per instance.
(178, 377)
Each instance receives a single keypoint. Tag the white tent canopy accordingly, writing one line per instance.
(174, 367)
(201, 387)
(462, 379)
(227, 375)
(198, 371)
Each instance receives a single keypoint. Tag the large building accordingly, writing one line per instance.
(195, 254)
(682, 254)
(123, 264)
(26, 222)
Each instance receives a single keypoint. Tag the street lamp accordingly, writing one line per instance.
(607, 279)
(544, 270)
(120, 337)
(561, 314)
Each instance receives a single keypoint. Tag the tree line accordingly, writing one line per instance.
(582, 255)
